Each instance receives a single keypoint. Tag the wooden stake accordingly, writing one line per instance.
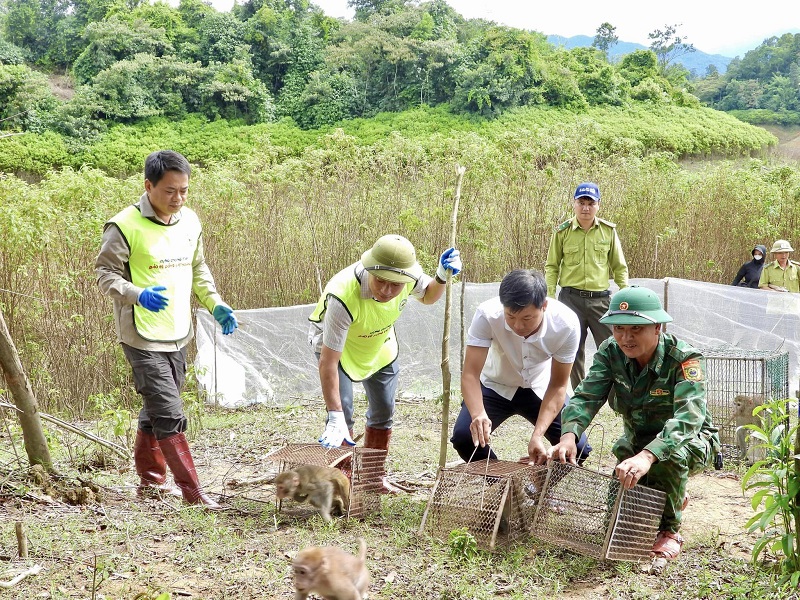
(446, 376)
(22, 541)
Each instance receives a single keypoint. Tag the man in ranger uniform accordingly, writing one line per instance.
(583, 253)
(782, 274)
(151, 261)
(659, 385)
(352, 334)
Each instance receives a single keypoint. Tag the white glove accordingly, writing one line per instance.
(335, 431)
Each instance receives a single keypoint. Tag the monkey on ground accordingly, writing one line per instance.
(331, 572)
(743, 415)
(322, 487)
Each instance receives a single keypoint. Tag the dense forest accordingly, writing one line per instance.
(76, 67)
(763, 87)
(122, 61)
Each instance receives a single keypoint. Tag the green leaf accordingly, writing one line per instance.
(758, 548)
(756, 500)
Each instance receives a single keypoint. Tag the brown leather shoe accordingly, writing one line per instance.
(179, 459)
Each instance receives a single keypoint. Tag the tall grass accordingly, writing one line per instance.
(275, 225)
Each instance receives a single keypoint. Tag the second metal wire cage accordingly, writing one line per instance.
(733, 371)
(365, 465)
(592, 514)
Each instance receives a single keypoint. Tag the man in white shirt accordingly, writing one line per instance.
(520, 350)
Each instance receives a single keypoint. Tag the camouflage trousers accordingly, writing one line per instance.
(671, 475)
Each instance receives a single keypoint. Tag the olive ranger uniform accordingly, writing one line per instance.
(581, 262)
(663, 409)
(774, 274)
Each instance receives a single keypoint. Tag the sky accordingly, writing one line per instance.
(713, 26)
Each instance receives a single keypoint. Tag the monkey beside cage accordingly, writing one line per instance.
(732, 372)
(365, 466)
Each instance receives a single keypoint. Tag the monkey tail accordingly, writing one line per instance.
(362, 551)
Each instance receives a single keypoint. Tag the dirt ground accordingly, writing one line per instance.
(157, 544)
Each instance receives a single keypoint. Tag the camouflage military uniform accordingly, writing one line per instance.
(663, 409)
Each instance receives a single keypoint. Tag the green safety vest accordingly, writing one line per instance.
(371, 343)
(162, 255)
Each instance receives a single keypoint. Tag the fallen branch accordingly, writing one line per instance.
(121, 450)
(34, 570)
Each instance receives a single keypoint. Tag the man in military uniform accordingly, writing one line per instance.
(660, 394)
(583, 253)
(782, 274)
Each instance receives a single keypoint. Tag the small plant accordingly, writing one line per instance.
(463, 545)
(777, 483)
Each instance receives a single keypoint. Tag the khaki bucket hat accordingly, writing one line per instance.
(392, 258)
(635, 306)
(782, 246)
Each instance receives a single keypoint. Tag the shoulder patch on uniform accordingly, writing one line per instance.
(692, 371)
(609, 223)
(564, 225)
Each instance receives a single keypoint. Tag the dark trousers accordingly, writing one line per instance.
(526, 404)
(589, 311)
(159, 377)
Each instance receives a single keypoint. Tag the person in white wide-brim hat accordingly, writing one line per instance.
(782, 274)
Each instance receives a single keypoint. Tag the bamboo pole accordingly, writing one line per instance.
(446, 376)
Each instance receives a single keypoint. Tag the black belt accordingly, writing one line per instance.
(586, 293)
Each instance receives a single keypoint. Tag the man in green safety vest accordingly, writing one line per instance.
(151, 261)
(352, 334)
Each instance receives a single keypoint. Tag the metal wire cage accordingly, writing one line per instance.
(731, 372)
(494, 500)
(592, 514)
(364, 466)
(503, 502)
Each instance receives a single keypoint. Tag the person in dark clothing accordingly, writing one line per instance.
(749, 272)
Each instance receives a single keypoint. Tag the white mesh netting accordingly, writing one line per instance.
(269, 359)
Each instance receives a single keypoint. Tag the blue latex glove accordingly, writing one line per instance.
(224, 316)
(449, 264)
(335, 431)
(151, 298)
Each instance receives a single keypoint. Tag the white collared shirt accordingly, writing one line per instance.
(514, 361)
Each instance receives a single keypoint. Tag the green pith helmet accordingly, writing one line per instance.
(635, 306)
(392, 258)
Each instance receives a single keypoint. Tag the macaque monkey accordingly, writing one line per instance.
(322, 487)
(331, 572)
(743, 415)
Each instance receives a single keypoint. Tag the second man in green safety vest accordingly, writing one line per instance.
(352, 333)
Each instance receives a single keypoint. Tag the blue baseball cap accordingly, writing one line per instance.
(588, 190)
